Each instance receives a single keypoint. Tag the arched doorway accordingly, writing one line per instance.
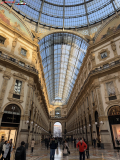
(114, 122)
(10, 123)
(57, 130)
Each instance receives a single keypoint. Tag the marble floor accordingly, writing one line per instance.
(41, 153)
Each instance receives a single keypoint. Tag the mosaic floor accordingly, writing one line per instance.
(41, 153)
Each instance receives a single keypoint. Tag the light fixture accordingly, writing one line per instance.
(31, 122)
(89, 125)
(84, 126)
(101, 122)
(96, 123)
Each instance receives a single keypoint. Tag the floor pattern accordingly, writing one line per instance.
(41, 153)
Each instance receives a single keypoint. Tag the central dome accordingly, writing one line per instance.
(68, 13)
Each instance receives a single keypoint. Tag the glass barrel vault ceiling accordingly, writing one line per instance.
(68, 13)
(62, 55)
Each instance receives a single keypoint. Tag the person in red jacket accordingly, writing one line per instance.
(82, 148)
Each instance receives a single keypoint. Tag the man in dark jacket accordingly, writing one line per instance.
(21, 152)
(53, 146)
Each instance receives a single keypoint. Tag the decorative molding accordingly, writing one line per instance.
(20, 76)
(6, 77)
(27, 53)
(103, 50)
(113, 46)
(6, 43)
(14, 43)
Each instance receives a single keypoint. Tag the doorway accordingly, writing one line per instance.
(114, 122)
(57, 129)
(10, 123)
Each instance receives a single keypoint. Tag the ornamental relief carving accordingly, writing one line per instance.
(6, 43)
(103, 50)
(27, 53)
(14, 43)
(113, 46)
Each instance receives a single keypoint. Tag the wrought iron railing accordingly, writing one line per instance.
(15, 61)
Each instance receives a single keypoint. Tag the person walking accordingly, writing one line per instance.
(1, 146)
(3, 149)
(32, 145)
(47, 143)
(94, 142)
(8, 150)
(82, 148)
(53, 146)
(21, 152)
(74, 142)
(65, 150)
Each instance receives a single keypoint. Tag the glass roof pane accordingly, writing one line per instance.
(61, 65)
(72, 12)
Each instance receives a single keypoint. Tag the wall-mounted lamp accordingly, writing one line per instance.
(101, 122)
(89, 125)
(96, 123)
(31, 122)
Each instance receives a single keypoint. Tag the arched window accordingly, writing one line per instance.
(58, 112)
(11, 114)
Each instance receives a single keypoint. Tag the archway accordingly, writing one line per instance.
(57, 129)
(114, 122)
(10, 123)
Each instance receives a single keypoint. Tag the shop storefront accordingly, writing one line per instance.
(10, 123)
(114, 121)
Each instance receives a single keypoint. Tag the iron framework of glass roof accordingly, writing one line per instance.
(62, 55)
(67, 13)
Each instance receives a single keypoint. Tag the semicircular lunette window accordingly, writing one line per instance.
(62, 55)
(67, 13)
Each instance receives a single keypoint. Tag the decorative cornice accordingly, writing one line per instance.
(20, 76)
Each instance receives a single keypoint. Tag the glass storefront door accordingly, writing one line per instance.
(116, 133)
(8, 134)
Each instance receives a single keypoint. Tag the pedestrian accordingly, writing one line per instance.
(94, 142)
(32, 145)
(53, 146)
(8, 150)
(66, 151)
(47, 143)
(74, 142)
(82, 148)
(21, 152)
(1, 146)
(3, 149)
(87, 151)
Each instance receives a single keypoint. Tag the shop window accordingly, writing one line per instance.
(23, 52)
(17, 88)
(111, 91)
(103, 55)
(21, 64)
(2, 40)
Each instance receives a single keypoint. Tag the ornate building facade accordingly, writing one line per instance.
(31, 102)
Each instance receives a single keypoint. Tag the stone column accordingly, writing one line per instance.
(6, 77)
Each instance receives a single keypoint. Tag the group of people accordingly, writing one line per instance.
(83, 147)
(6, 148)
